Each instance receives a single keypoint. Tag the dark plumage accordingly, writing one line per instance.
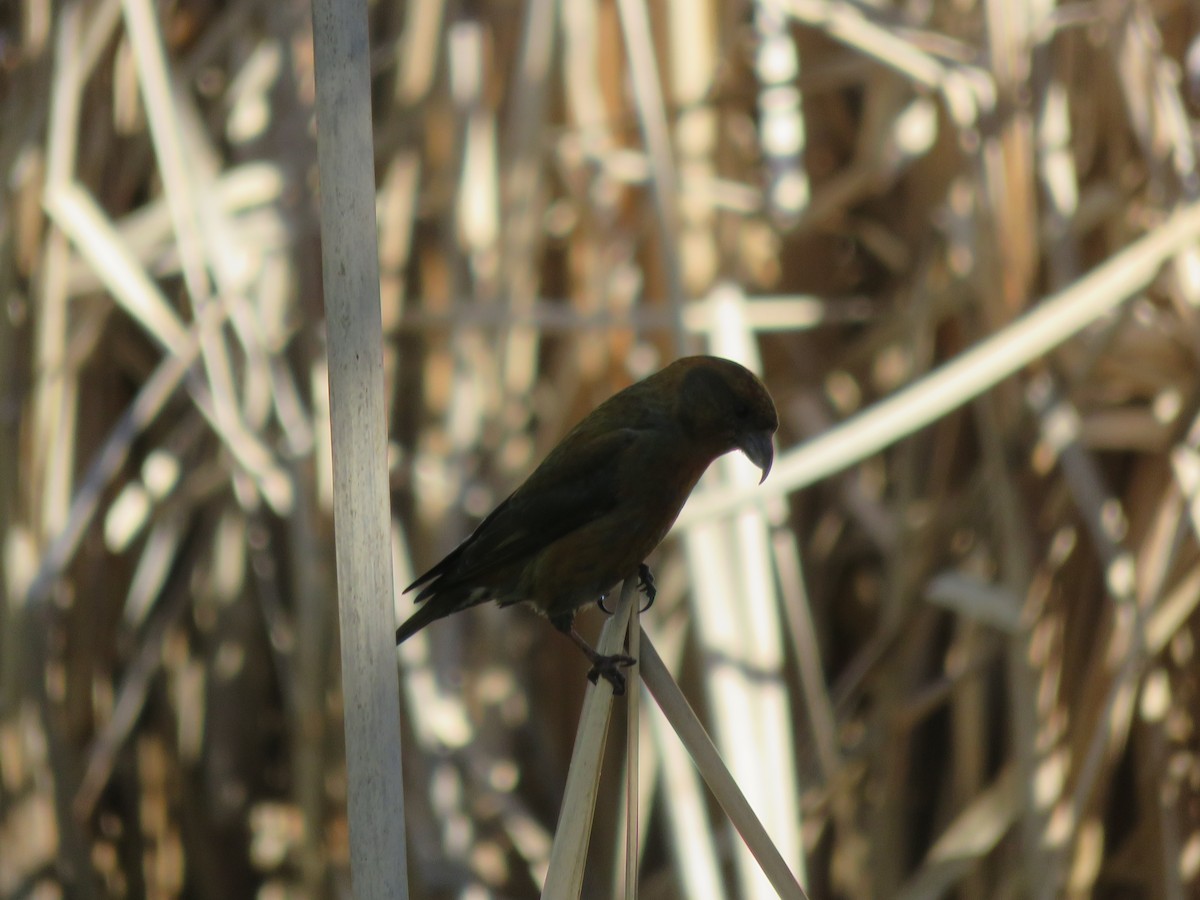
(603, 499)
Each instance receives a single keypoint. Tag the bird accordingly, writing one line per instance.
(588, 516)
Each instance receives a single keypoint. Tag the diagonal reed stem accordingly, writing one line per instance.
(704, 753)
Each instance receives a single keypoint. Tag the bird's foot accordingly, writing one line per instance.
(606, 667)
(646, 584)
(609, 668)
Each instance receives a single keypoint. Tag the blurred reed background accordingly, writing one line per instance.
(951, 654)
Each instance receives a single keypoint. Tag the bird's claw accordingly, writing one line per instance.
(646, 584)
(609, 668)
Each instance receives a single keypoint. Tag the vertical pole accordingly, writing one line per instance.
(361, 518)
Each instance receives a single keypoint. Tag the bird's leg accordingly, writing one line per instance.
(608, 667)
(646, 583)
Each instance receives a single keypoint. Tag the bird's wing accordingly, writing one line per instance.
(576, 484)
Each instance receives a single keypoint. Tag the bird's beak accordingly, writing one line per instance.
(758, 449)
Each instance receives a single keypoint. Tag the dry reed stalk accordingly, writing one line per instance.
(569, 855)
(723, 784)
(961, 240)
(349, 249)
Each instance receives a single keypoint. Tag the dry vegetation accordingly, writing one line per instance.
(950, 653)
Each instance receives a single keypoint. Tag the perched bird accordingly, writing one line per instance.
(603, 499)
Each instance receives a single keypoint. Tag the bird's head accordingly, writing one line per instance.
(725, 406)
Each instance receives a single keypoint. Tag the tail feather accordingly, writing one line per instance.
(428, 612)
(438, 601)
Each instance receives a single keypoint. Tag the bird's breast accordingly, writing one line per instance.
(589, 562)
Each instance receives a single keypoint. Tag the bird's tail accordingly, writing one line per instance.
(430, 611)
